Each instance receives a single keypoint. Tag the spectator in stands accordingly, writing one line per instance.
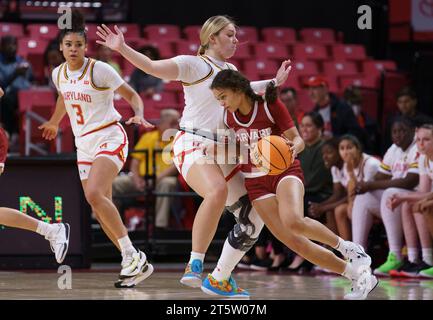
(52, 58)
(166, 173)
(397, 173)
(353, 97)
(105, 54)
(143, 82)
(289, 97)
(414, 223)
(338, 117)
(407, 107)
(15, 75)
(358, 167)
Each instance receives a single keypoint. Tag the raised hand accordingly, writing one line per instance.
(114, 41)
(283, 72)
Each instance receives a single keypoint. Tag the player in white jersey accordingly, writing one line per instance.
(86, 88)
(415, 224)
(57, 233)
(398, 172)
(219, 185)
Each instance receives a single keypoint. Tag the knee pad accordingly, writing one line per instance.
(249, 224)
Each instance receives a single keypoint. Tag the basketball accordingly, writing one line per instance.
(272, 155)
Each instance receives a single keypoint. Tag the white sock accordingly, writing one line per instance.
(427, 255)
(412, 254)
(397, 252)
(195, 256)
(339, 243)
(44, 228)
(126, 244)
(350, 272)
(228, 260)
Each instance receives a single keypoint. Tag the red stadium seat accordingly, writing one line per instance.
(33, 50)
(130, 30)
(43, 31)
(158, 32)
(161, 100)
(276, 51)
(339, 68)
(279, 35)
(358, 81)
(304, 102)
(165, 48)
(243, 51)
(310, 52)
(247, 34)
(173, 86)
(260, 67)
(375, 67)
(349, 52)
(318, 35)
(187, 47)
(308, 68)
(192, 33)
(91, 31)
(11, 29)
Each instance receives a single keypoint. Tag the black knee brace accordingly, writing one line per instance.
(240, 236)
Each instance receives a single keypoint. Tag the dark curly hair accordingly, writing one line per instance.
(78, 26)
(236, 81)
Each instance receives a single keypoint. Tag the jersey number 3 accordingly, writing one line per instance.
(79, 113)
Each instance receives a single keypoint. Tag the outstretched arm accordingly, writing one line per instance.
(164, 69)
(280, 78)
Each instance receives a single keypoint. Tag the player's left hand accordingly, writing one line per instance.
(291, 147)
(140, 121)
(283, 72)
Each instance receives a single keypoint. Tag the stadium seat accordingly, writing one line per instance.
(308, 68)
(91, 29)
(348, 52)
(186, 47)
(339, 68)
(375, 67)
(11, 29)
(43, 31)
(173, 86)
(192, 33)
(260, 67)
(266, 50)
(158, 32)
(310, 52)
(279, 35)
(304, 102)
(33, 51)
(317, 35)
(166, 48)
(247, 34)
(130, 30)
(243, 51)
(358, 81)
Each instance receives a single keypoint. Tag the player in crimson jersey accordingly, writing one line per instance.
(86, 88)
(57, 233)
(279, 198)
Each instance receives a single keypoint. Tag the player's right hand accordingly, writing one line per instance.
(114, 41)
(49, 130)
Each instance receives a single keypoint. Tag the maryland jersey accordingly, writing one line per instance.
(202, 110)
(398, 163)
(88, 104)
(263, 120)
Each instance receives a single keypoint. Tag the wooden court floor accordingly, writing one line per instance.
(164, 285)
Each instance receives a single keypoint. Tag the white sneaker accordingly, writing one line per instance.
(132, 263)
(131, 282)
(356, 255)
(59, 240)
(363, 285)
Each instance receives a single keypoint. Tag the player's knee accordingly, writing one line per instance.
(339, 213)
(218, 192)
(93, 196)
(294, 225)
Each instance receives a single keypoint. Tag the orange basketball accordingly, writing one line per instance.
(272, 155)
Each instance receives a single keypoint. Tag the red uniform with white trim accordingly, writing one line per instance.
(263, 120)
(88, 95)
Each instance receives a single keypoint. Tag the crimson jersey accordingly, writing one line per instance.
(263, 120)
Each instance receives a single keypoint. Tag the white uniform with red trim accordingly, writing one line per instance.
(88, 96)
